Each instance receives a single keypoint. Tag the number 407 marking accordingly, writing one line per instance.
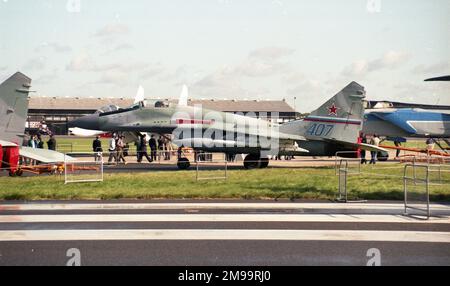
(317, 129)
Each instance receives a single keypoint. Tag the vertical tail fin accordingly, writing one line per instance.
(14, 107)
(183, 96)
(338, 119)
(341, 117)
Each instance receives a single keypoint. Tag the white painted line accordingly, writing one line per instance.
(217, 218)
(228, 234)
(177, 206)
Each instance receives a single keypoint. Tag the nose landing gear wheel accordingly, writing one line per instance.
(183, 163)
(253, 161)
(264, 163)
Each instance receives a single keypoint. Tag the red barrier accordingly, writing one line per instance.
(11, 157)
(1, 156)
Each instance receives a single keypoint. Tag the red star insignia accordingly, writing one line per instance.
(332, 110)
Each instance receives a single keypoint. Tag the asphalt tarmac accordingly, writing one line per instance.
(241, 233)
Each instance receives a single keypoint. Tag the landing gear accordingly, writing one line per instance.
(253, 161)
(382, 156)
(183, 163)
(264, 162)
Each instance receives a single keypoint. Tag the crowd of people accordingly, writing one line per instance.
(375, 141)
(161, 148)
(36, 141)
(118, 149)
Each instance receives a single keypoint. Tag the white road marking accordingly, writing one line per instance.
(228, 234)
(177, 206)
(216, 218)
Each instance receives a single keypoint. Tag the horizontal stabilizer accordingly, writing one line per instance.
(283, 136)
(355, 146)
(369, 147)
(4, 143)
(44, 155)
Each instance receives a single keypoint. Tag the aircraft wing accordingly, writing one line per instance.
(44, 155)
(395, 118)
(7, 143)
(283, 136)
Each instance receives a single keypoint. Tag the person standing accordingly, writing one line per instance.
(160, 147)
(40, 142)
(120, 149)
(430, 144)
(397, 144)
(112, 149)
(180, 152)
(97, 148)
(51, 143)
(143, 149)
(168, 148)
(153, 147)
(376, 142)
(362, 151)
(32, 142)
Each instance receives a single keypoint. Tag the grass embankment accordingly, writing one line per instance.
(300, 183)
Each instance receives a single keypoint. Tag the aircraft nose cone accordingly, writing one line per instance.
(85, 122)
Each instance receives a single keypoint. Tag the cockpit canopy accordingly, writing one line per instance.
(377, 104)
(157, 103)
(161, 104)
(107, 108)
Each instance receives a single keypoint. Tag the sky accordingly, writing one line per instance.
(300, 51)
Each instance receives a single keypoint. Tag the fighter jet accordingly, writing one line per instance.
(13, 115)
(397, 121)
(333, 127)
(14, 107)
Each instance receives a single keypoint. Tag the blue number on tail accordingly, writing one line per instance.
(319, 129)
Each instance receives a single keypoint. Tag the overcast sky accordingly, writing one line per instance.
(227, 49)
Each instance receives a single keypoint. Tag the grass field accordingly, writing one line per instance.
(300, 183)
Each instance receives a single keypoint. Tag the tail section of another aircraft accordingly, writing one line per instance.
(14, 107)
(338, 119)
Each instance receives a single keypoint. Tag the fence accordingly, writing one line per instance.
(83, 169)
(438, 166)
(416, 188)
(343, 171)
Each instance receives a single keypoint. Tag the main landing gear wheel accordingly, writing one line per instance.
(183, 163)
(264, 163)
(253, 161)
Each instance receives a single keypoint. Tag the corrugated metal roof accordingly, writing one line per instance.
(73, 103)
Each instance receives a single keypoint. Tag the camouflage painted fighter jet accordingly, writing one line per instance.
(14, 107)
(13, 115)
(334, 127)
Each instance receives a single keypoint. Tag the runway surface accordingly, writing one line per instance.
(220, 233)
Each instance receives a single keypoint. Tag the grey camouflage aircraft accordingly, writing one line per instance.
(14, 107)
(13, 115)
(333, 127)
